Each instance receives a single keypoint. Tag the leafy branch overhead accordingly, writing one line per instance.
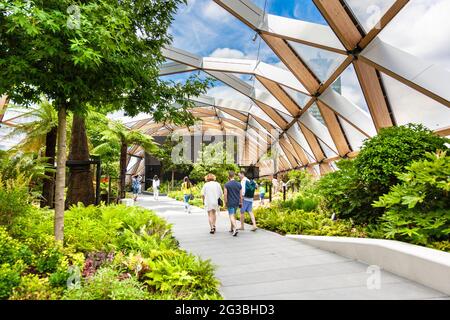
(100, 52)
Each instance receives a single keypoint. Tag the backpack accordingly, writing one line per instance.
(250, 187)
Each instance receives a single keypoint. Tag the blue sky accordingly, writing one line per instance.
(204, 28)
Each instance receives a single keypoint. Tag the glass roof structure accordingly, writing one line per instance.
(322, 86)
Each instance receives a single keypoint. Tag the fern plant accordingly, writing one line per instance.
(418, 209)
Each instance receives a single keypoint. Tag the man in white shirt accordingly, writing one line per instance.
(248, 192)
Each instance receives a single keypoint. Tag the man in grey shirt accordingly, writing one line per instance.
(233, 198)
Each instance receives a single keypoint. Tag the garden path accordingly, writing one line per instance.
(267, 266)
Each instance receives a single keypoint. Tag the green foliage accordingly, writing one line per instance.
(351, 191)
(13, 259)
(169, 163)
(307, 223)
(73, 55)
(344, 193)
(35, 131)
(214, 159)
(12, 250)
(121, 234)
(391, 151)
(107, 285)
(300, 202)
(418, 209)
(9, 278)
(300, 180)
(183, 276)
(32, 287)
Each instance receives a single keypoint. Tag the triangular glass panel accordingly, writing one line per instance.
(315, 112)
(322, 63)
(369, 12)
(348, 86)
(300, 98)
(411, 106)
(354, 137)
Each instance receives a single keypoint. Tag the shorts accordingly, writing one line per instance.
(135, 190)
(187, 197)
(232, 210)
(261, 195)
(247, 206)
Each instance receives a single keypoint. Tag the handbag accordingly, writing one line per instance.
(191, 197)
(220, 202)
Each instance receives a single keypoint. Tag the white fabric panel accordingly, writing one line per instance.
(182, 56)
(350, 111)
(298, 136)
(410, 106)
(319, 130)
(303, 31)
(282, 76)
(174, 67)
(246, 9)
(429, 76)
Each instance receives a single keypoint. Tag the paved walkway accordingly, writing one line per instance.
(265, 265)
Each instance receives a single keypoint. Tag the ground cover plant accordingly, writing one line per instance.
(110, 252)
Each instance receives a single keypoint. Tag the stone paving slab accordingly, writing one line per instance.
(265, 265)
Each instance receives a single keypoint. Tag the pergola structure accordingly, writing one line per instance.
(295, 111)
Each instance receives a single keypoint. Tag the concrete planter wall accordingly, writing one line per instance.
(424, 265)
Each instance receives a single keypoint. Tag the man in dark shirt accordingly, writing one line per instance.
(233, 198)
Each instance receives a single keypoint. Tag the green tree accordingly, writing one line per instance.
(97, 52)
(213, 159)
(119, 137)
(164, 154)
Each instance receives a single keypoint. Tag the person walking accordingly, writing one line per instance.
(248, 193)
(186, 188)
(262, 193)
(136, 186)
(155, 186)
(212, 195)
(233, 197)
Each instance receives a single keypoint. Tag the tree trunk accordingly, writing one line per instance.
(60, 175)
(173, 179)
(123, 169)
(48, 186)
(80, 184)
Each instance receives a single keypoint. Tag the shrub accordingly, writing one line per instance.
(12, 250)
(14, 199)
(34, 288)
(344, 193)
(107, 285)
(307, 223)
(351, 191)
(307, 204)
(418, 209)
(182, 275)
(389, 152)
(9, 277)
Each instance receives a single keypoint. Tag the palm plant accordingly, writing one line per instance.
(119, 137)
(40, 131)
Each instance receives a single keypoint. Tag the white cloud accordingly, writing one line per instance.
(228, 93)
(228, 53)
(212, 10)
